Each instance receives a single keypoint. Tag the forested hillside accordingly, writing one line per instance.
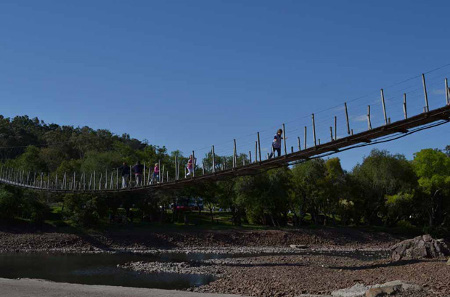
(383, 189)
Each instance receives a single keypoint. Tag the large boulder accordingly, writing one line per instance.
(419, 247)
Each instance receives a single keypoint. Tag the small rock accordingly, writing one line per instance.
(358, 290)
(298, 246)
(381, 291)
(312, 295)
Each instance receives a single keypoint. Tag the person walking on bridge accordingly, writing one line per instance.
(125, 171)
(138, 169)
(276, 144)
(156, 172)
(190, 165)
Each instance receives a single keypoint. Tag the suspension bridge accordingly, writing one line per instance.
(111, 181)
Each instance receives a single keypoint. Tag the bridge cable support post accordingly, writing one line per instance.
(447, 92)
(131, 177)
(64, 182)
(427, 108)
(250, 156)
(111, 181)
(234, 154)
(405, 110)
(346, 117)
(193, 164)
(305, 146)
(259, 148)
(292, 149)
(369, 122)
(213, 160)
(335, 127)
(164, 171)
(117, 179)
(314, 129)
(331, 133)
(176, 167)
(384, 107)
(299, 144)
(284, 139)
(100, 182)
(159, 168)
(143, 179)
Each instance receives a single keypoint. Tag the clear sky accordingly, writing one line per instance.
(189, 74)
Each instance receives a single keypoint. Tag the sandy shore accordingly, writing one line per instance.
(42, 288)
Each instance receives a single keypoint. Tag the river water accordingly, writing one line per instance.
(98, 269)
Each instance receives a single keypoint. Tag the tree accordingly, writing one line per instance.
(310, 188)
(31, 160)
(265, 196)
(379, 175)
(433, 170)
(335, 181)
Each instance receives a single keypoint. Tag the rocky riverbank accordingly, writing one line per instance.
(260, 263)
(310, 273)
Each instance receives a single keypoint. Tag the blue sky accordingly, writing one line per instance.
(189, 74)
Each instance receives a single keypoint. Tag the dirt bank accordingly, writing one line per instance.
(144, 239)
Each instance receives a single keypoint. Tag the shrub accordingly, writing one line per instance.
(9, 204)
(84, 209)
